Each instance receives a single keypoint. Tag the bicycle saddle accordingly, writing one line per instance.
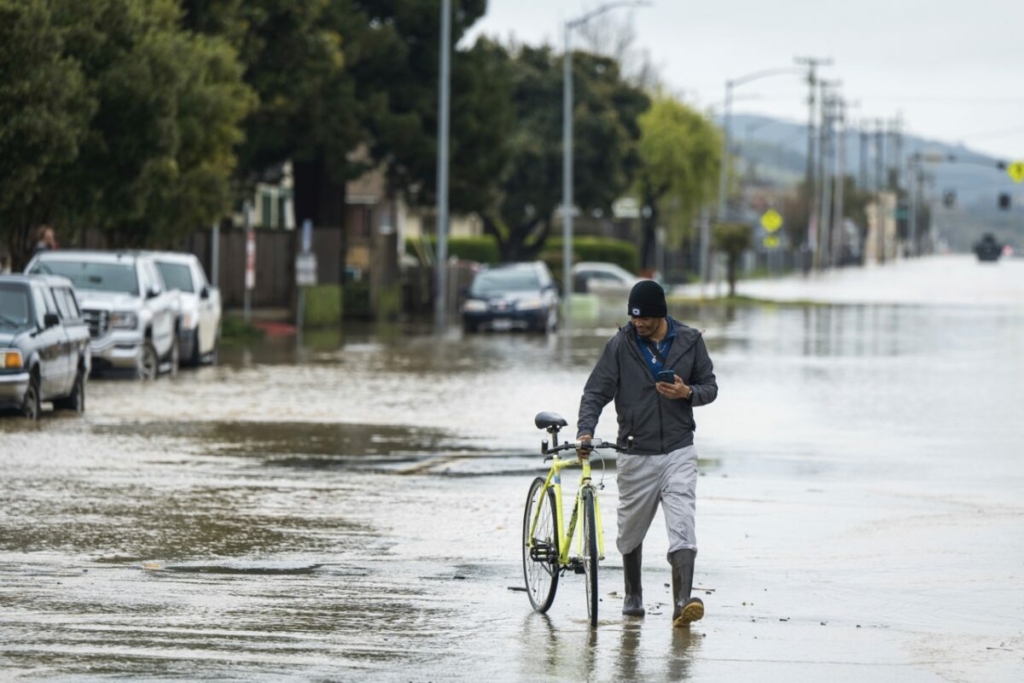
(547, 420)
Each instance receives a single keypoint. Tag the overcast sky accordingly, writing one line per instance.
(953, 69)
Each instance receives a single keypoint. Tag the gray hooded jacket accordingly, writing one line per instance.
(657, 424)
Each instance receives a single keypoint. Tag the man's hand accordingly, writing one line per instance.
(679, 390)
(581, 453)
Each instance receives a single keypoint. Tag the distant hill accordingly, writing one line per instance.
(776, 150)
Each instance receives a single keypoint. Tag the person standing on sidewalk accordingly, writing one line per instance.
(662, 466)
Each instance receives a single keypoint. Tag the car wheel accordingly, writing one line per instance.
(30, 407)
(149, 363)
(76, 400)
(469, 328)
(174, 356)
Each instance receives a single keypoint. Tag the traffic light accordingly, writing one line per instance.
(949, 199)
(1004, 201)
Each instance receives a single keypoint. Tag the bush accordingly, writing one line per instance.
(479, 249)
(357, 300)
(323, 306)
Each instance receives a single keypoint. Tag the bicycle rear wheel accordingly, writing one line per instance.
(540, 553)
(590, 556)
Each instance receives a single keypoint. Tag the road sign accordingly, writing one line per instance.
(771, 220)
(771, 242)
(1016, 171)
(305, 269)
(250, 259)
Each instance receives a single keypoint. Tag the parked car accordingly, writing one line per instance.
(595, 276)
(199, 307)
(130, 313)
(44, 345)
(512, 296)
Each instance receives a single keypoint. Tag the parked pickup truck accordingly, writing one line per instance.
(44, 345)
(131, 314)
(199, 308)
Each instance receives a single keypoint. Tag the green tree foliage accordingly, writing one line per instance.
(44, 114)
(732, 239)
(680, 153)
(157, 155)
(529, 186)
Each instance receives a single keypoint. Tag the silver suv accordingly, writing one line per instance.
(130, 312)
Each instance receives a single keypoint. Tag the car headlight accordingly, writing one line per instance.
(529, 304)
(10, 360)
(474, 306)
(123, 320)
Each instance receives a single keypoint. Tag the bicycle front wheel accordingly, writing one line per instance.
(590, 556)
(540, 551)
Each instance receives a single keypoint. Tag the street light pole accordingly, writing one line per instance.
(567, 152)
(444, 85)
(567, 177)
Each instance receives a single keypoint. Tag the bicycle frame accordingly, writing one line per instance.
(565, 534)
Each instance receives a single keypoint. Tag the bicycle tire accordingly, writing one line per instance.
(590, 554)
(541, 577)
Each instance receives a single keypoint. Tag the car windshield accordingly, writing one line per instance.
(13, 307)
(103, 277)
(505, 280)
(176, 276)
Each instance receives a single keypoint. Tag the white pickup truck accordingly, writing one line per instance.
(199, 307)
(130, 312)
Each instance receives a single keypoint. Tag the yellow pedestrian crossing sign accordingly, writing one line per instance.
(1016, 171)
(771, 220)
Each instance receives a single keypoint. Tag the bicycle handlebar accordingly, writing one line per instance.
(590, 445)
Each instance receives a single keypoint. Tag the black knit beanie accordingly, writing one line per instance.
(647, 300)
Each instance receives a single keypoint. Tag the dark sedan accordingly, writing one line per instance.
(44, 345)
(512, 296)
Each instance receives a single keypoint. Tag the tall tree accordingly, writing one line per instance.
(605, 134)
(45, 109)
(161, 110)
(680, 151)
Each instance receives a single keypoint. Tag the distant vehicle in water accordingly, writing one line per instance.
(988, 249)
(512, 296)
(597, 276)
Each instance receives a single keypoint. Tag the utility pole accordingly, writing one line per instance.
(880, 185)
(862, 176)
(827, 144)
(822, 174)
(838, 218)
(444, 85)
(913, 183)
(812, 64)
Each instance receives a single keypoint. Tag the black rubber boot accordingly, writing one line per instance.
(686, 609)
(633, 605)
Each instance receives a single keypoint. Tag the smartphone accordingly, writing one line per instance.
(667, 376)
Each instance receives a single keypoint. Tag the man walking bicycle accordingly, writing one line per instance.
(662, 466)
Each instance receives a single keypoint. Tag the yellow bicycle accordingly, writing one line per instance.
(547, 542)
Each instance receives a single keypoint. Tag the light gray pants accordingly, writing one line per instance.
(647, 480)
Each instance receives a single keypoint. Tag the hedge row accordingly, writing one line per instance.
(478, 249)
(485, 250)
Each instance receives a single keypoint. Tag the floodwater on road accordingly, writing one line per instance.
(352, 510)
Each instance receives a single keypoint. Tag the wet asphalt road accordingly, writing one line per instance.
(351, 510)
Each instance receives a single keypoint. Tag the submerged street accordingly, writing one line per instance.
(351, 510)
